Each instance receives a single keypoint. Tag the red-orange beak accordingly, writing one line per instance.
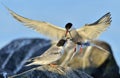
(66, 33)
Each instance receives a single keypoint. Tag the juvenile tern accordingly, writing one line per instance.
(53, 54)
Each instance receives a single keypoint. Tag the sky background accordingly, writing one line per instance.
(59, 12)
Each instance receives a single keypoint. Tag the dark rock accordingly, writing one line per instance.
(3, 74)
(14, 55)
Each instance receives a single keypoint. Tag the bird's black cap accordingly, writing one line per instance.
(79, 43)
(68, 26)
(61, 42)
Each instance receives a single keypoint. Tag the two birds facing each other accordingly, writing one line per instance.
(55, 52)
(82, 36)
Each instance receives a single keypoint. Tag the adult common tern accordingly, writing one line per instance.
(75, 37)
(88, 31)
(53, 54)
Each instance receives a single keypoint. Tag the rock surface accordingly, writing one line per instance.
(14, 55)
(52, 72)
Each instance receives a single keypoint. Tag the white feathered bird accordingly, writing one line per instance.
(53, 54)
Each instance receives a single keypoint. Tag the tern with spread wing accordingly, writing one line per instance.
(53, 54)
(88, 31)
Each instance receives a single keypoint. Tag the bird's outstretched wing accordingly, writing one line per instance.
(54, 32)
(92, 31)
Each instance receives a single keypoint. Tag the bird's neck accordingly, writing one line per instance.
(61, 49)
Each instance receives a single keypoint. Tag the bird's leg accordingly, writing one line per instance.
(53, 65)
(75, 49)
(81, 49)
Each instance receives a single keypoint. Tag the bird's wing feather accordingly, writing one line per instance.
(47, 57)
(42, 27)
(92, 31)
(48, 52)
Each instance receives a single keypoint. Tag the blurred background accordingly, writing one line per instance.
(78, 12)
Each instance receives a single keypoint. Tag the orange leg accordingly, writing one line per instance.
(53, 65)
(75, 48)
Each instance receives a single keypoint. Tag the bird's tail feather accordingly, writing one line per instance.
(29, 62)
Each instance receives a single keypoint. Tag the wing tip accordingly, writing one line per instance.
(9, 10)
(107, 14)
(104, 19)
